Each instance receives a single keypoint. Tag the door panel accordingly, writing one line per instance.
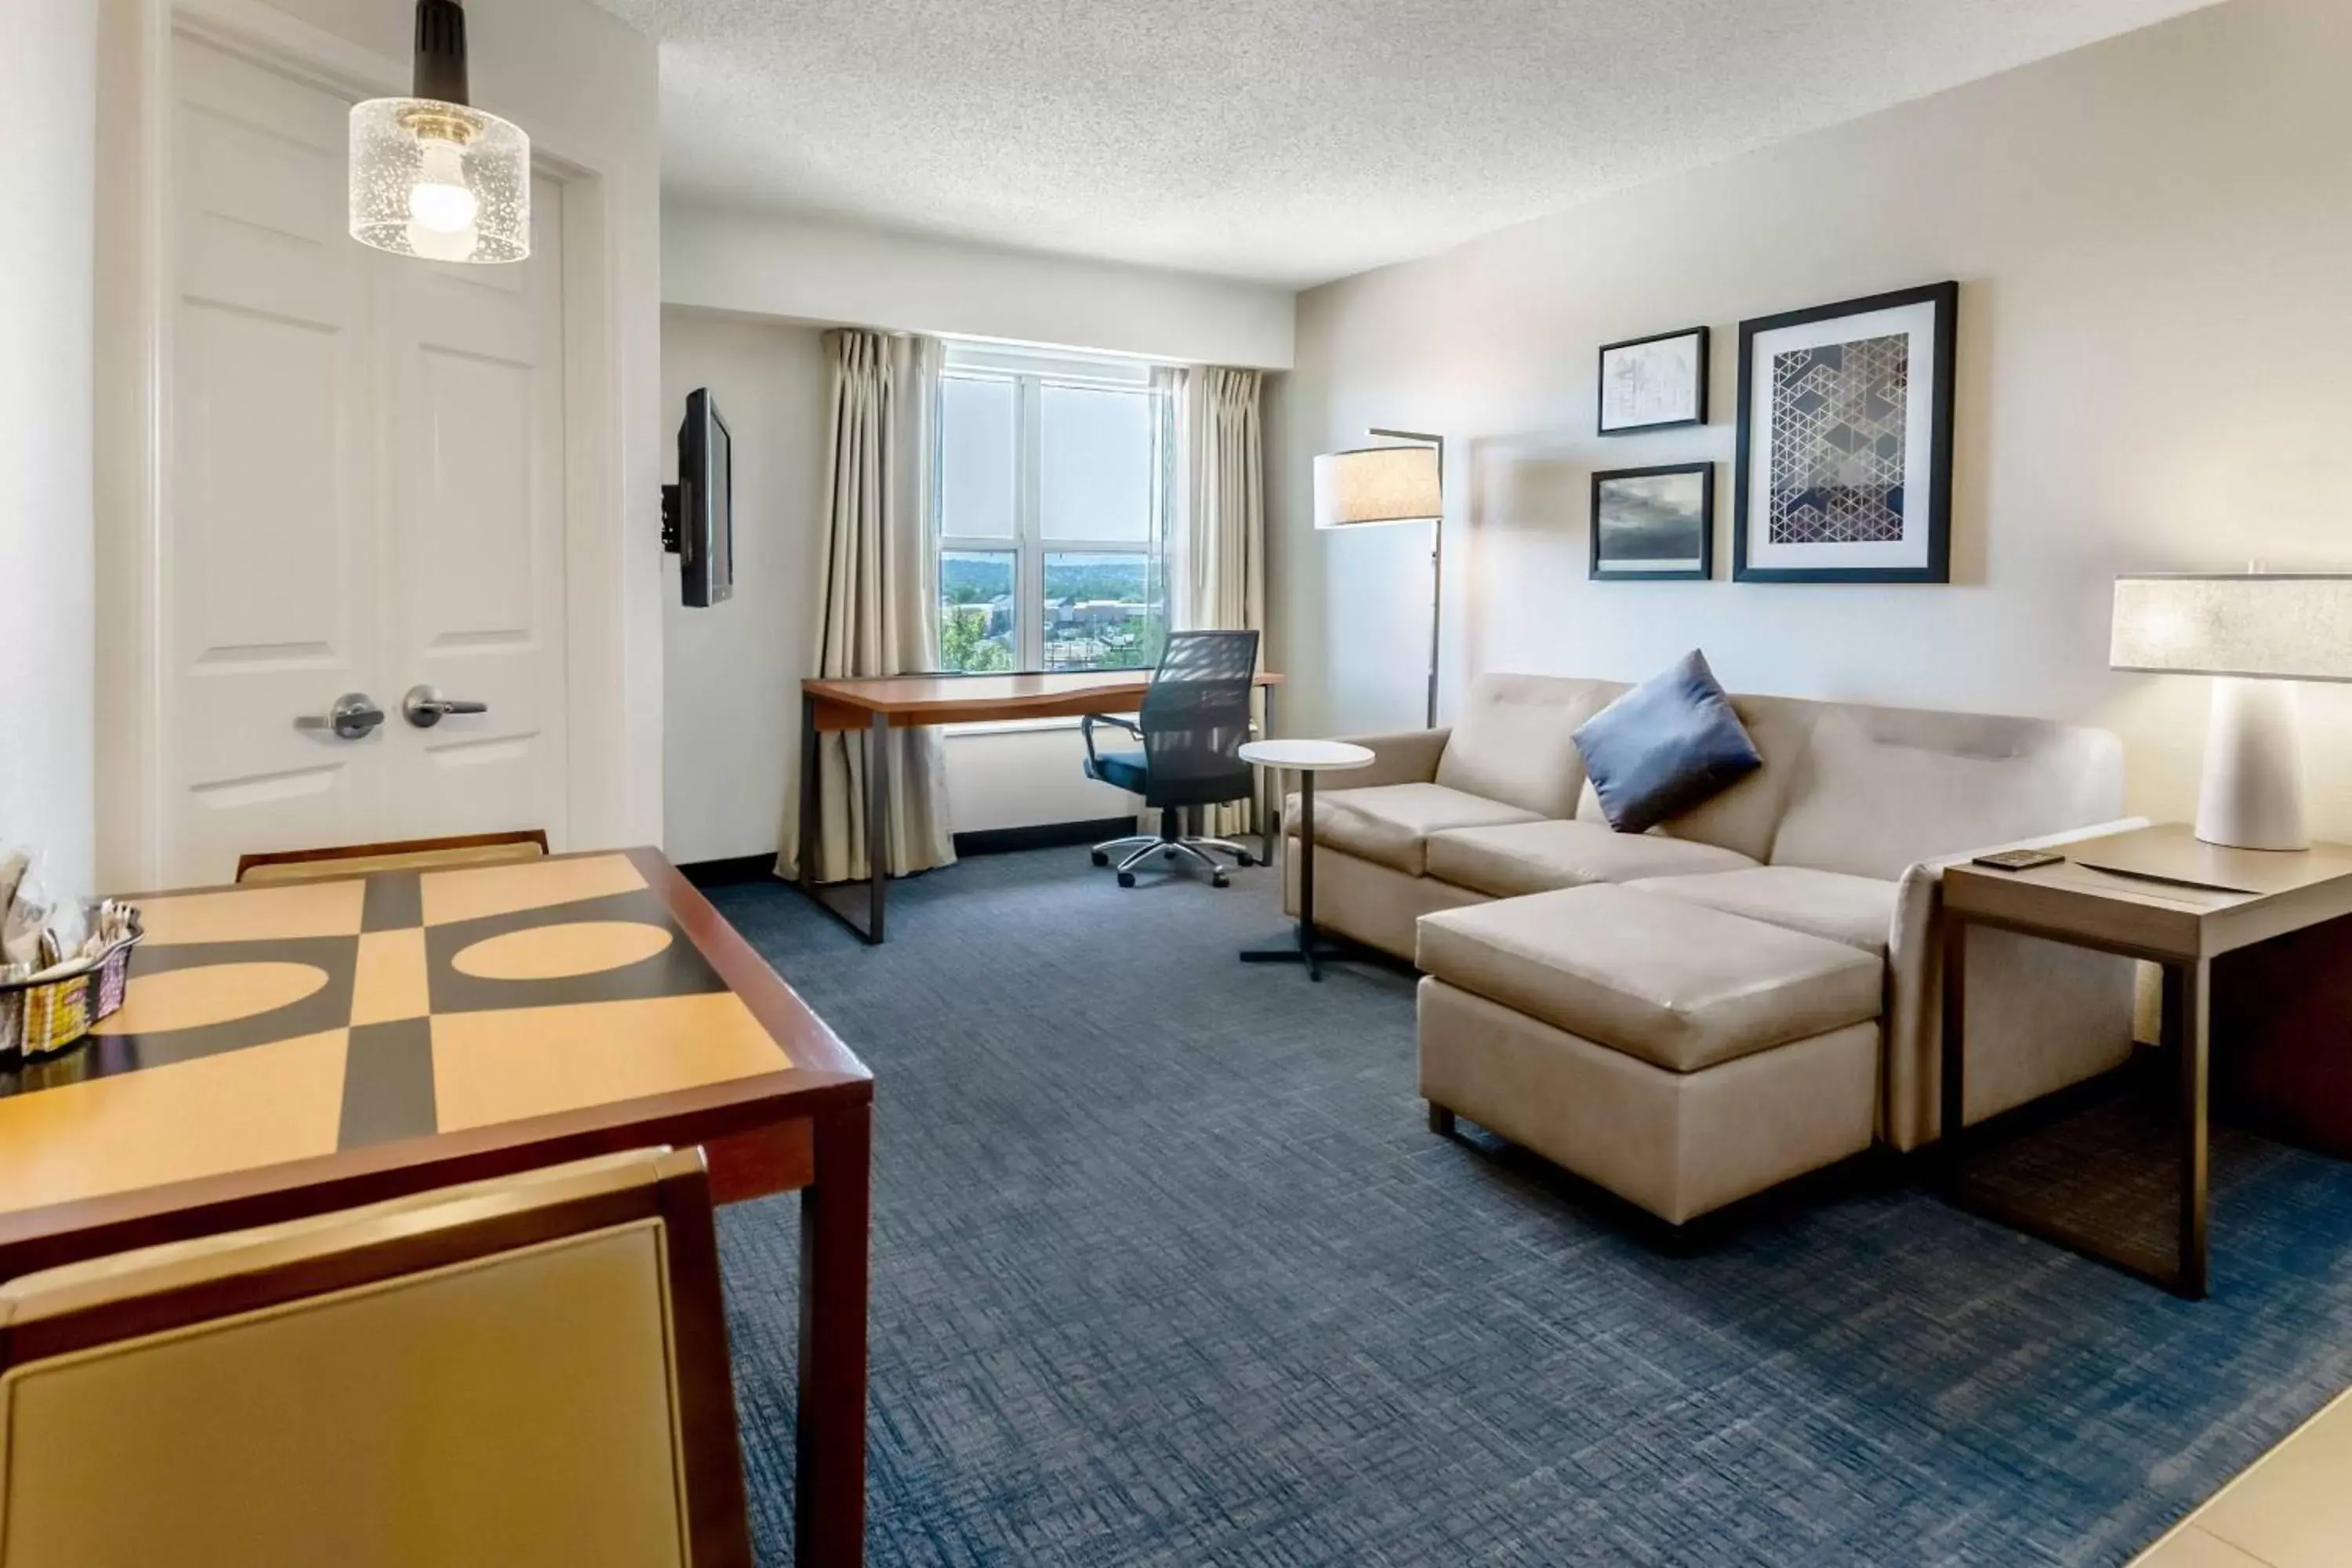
(474, 559)
(269, 599)
(367, 495)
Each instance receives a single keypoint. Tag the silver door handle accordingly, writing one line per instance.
(352, 716)
(425, 706)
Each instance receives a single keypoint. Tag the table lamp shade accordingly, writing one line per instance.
(2256, 634)
(1377, 484)
(2252, 625)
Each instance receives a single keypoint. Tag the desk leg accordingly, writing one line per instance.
(877, 823)
(2187, 1024)
(808, 793)
(829, 1462)
(1953, 1101)
(834, 901)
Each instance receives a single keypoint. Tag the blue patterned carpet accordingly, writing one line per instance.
(1167, 1271)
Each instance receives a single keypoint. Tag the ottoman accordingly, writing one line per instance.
(1676, 1055)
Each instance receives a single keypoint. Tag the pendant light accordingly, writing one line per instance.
(431, 175)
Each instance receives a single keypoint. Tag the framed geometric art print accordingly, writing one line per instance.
(1845, 442)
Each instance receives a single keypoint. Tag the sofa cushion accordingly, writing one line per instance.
(1668, 745)
(1884, 788)
(1514, 740)
(1391, 822)
(1678, 984)
(1746, 815)
(1543, 857)
(1856, 910)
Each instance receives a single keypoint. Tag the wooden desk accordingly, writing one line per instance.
(2158, 894)
(292, 1049)
(874, 705)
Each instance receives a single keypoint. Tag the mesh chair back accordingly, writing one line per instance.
(1195, 716)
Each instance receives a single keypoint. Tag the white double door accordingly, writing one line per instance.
(365, 461)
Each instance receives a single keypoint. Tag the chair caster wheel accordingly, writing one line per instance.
(1100, 858)
(1127, 879)
(1244, 860)
(1168, 854)
(1221, 880)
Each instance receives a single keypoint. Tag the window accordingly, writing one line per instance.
(1053, 486)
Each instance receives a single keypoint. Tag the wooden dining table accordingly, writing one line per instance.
(292, 1049)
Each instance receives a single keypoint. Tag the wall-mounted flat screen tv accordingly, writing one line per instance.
(699, 511)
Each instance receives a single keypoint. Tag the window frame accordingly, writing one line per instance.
(1030, 374)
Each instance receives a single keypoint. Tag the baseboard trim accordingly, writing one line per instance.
(1044, 835)
(988, 841)
(738, 868)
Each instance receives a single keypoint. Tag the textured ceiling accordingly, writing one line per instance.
(1291, 141)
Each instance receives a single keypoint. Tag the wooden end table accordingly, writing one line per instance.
(2158, 894)
(1306, 758)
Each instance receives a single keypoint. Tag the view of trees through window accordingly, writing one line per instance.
(976, 610)
(1049, 497)
(1100, 612)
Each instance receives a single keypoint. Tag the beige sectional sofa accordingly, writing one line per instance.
(1746, 993)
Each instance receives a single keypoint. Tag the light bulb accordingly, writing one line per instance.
(440, 200)
(439, 245)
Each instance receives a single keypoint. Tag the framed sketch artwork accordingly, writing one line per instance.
(1650, 524)
(1654, 384)
(1845, 442)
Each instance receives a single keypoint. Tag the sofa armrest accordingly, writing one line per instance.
(1403, 756)
(2064, 1012)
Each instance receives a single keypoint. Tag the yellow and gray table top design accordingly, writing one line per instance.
(279, 1023)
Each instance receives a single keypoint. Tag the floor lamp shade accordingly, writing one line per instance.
(1392, 484)
(2256, 634)
(1377, 484)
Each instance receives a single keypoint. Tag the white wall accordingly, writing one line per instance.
(2152, 235)
(730, 674)
(48, 126)
(733, 672)
(587, 88)
(809, 271)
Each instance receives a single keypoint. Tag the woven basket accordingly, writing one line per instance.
(37, 1017)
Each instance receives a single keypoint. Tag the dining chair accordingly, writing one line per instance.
(404, 854)
(525, 1372)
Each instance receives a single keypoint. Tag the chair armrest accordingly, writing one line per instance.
(1087, 730)
(1404, 756)
(1915, 983)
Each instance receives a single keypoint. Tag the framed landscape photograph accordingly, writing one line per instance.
(1654, 524)
(1654, 384)
(1844, 467)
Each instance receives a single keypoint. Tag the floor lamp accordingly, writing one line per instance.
(2256, 634)
(1392, 484)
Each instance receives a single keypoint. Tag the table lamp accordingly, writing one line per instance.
(1391, 484)
(2255, 633)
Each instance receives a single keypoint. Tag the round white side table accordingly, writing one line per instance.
(1305, 758)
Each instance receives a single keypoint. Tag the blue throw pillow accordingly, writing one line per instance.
(1671, 743)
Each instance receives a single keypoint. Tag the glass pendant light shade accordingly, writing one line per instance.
(442, 180)
(431, 175)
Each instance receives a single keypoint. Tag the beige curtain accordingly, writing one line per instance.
(875, 616)
(1217, 554)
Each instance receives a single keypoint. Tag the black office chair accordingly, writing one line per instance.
(1195, 716)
